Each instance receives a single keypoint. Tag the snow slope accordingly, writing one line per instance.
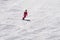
(44, 16)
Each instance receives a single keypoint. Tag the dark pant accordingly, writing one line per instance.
(24, 16)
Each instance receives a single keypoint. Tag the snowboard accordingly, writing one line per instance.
(26, 20)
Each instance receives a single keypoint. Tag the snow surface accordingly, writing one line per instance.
(44, 16)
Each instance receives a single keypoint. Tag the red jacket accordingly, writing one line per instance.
(25, 14)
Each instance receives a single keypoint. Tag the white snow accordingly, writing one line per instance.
(44, 16)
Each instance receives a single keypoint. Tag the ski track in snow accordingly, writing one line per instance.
(44, 16)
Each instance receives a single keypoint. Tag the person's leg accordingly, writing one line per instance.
(24, 17)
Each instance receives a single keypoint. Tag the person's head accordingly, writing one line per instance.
(26, 10)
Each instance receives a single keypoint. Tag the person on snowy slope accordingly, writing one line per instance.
(25, 14)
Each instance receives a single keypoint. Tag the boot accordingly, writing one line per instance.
(23, 19)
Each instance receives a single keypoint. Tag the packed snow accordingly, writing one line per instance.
(44, 16)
